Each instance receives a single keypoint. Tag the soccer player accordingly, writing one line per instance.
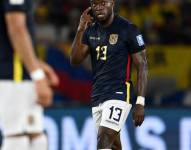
(21, 99)
(112, 43)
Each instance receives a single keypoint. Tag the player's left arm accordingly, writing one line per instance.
(140, 61)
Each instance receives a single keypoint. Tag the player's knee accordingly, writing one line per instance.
(104, 141)
(117, 146)
(15, 143)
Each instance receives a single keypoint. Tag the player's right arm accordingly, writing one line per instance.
(15, 18)
(80, 50)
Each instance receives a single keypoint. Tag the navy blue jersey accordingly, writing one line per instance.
(111, 50)
(10, 64)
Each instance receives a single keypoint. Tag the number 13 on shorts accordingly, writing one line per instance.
(114, 114)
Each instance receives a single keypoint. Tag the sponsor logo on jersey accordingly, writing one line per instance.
(94, 38)
(113, 39)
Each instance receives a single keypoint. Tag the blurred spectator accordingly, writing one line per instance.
(162, 21)
(187, 98)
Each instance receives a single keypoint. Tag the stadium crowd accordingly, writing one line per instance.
(161, 21)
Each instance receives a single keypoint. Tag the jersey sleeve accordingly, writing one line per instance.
(15, 5)
(135, 40)
(85, 39)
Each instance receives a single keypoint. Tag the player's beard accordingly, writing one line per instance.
(107, 19)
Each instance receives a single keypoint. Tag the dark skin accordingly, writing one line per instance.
(103, 13)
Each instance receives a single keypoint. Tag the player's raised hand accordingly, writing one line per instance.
(138, 115)
(85, 20)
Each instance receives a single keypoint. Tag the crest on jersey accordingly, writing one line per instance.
(113, 39)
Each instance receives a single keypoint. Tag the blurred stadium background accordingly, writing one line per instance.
(166, 25)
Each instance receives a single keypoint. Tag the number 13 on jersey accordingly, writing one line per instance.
(101, 53)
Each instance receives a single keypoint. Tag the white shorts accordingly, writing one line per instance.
(111, 114)
(19, 112)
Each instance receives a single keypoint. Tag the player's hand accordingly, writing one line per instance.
(138, 115)
(85, 20)
(44, 92)
(51, 76)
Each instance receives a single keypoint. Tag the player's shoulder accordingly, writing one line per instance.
(125, 23)
(122, 20)
(92, 27)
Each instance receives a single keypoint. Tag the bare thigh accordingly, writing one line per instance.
(106, 138)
